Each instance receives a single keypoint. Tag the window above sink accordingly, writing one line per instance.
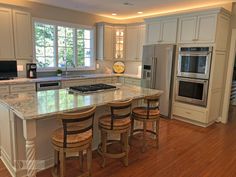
(60, 45)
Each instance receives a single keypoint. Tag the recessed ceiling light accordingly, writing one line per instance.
(140, 12)
(128, 4)
(113, 14)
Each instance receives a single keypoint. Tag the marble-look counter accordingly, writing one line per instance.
(55, 78)
(42, 104)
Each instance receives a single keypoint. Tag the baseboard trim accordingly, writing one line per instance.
(193, 122)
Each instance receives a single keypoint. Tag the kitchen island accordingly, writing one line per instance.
(28, 119)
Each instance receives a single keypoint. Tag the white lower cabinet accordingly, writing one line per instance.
(190, 112)
(132, 81)
(4, 89)
(22, 88)
(71, 83)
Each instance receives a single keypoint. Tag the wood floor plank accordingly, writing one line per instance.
(185, 151)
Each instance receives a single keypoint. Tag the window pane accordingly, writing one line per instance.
(65, 47)
(44, 45)
(87, 34)
(84, 47)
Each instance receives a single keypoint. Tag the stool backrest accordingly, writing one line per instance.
(120, 110)
(152, 103)
(77, 122)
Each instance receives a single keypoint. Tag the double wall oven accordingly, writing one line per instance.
(193, 73)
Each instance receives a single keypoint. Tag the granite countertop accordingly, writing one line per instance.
(55, 78)
(43, 104)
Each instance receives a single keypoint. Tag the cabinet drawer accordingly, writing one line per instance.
(4, 89)
(104, 80)
(189, 114)
(130, 81)
(72, 83)
(22, 88)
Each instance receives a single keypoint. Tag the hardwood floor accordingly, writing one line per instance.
(185, 151)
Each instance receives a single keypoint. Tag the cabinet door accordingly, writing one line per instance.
(169, 31)
(187, 29)
(153, 33)
(108, 42)
(6, 34)
(206, 28)
(132, 40)
(142, 32)
(22, 33)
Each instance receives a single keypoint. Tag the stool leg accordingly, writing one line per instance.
(89, 159)
(144, 135)
(126, 148)
(56, 161)
(132, 127)
(104, 147)
(157, 133)
(62, 163)
(81, 159)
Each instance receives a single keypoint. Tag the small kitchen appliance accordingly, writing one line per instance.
(31, 70)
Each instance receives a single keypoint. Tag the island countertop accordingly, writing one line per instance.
(43, 104)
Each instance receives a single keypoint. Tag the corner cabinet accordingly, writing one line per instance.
(104, 41)
(6, 34)
(135, 36)
(22, 34)
(161, 30)
(197, 29)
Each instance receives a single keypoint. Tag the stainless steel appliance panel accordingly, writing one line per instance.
(158, 72)
(192, 91)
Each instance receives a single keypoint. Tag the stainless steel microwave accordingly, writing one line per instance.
(194, 62)
(193, 91)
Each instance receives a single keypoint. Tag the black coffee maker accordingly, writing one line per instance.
(31, 70)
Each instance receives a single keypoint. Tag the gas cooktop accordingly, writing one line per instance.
(92, 88)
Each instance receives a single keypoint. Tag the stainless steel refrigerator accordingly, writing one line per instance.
(158, 72)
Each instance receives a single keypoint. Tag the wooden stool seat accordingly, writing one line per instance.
(142, 112)
(118, 124)
(72, 140)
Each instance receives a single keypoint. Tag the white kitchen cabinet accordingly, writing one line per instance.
(161, 31)
(187, 29)
(6, 34)
(197, 29)
(4, 89)
(22, 34)
(22, 88)
(105, 41)
(135, 36)
(119, 42)
(132, 81)
(71, 83)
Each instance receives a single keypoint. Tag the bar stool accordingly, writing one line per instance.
(150, 113)
(118, 122)
(74, 137)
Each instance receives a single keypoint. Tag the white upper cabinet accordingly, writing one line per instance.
(169, 31)
(161, 31)
(187, 29)
(135, 36)
(104, 41)
(22, 34)
(206, 28)
(153, 32)
(6, 34)
(197, 29)
(119, 42)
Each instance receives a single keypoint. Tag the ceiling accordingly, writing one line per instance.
(148, 7)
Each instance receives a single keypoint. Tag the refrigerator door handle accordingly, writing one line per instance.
(153, 74)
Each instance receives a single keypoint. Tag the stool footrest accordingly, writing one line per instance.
(141, 130)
